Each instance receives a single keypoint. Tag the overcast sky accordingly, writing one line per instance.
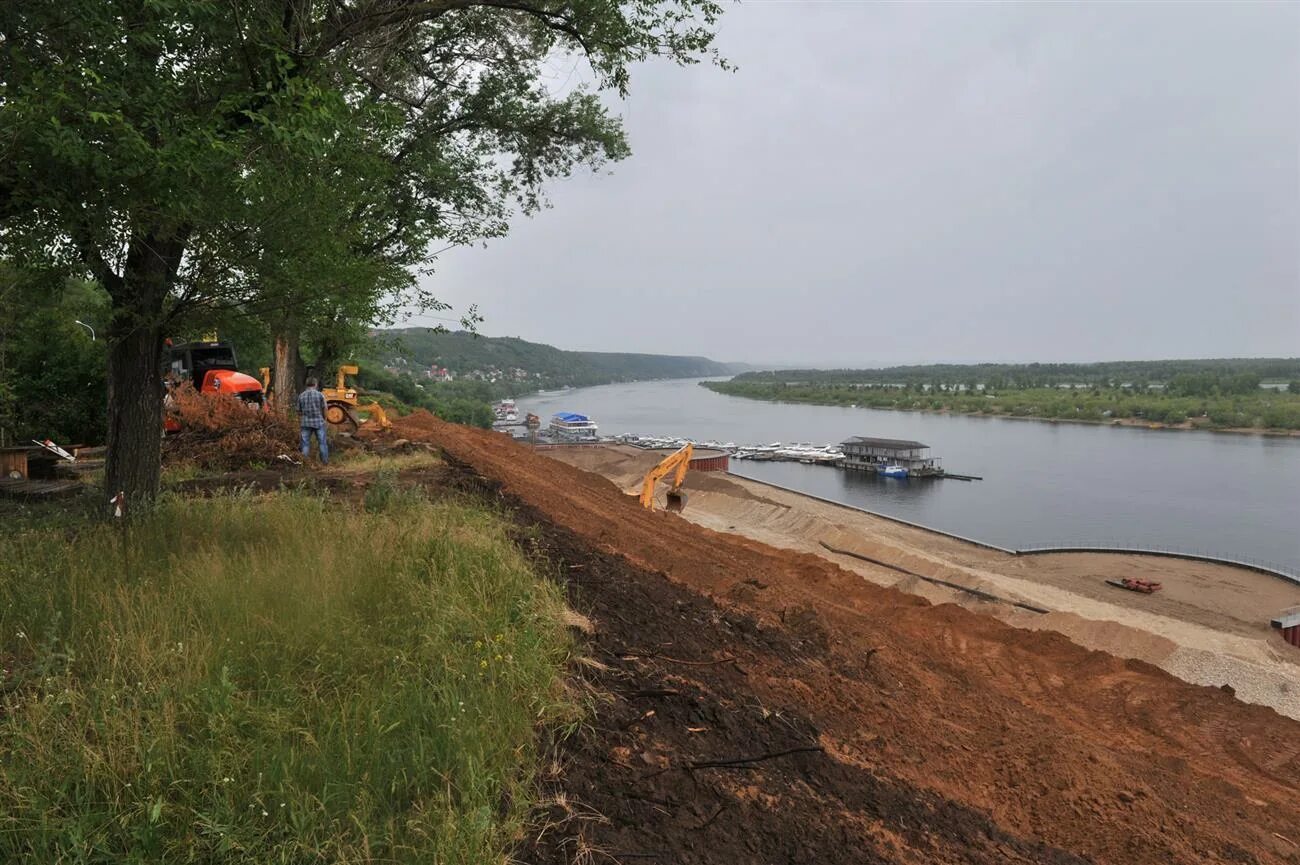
(914, 183)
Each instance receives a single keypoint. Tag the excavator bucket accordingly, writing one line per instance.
(676, 501)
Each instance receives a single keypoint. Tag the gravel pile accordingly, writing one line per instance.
(1275, 686)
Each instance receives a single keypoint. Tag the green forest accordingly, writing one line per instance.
(1026, 375)
(464, 352)
(53, 381)
(1261, 394)
(488, 368)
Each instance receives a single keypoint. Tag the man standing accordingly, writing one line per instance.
(311, 419)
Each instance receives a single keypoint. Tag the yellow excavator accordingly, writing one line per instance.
(341, 403)
(677, 462)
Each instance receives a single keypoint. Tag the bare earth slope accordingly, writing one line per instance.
(1067, 754)
(1209, 626)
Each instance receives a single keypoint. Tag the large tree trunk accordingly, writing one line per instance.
(288, 372)
(134, 459)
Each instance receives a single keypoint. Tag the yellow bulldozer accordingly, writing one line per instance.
(342, 404)
(675, 463)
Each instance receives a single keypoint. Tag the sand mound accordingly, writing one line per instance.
(931, 592)
(1117, 639)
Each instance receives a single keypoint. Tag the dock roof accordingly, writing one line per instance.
(1288, 619)
(893, 444)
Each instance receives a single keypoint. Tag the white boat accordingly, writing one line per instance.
(894, 472)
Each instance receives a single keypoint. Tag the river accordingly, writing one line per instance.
(1045, 484)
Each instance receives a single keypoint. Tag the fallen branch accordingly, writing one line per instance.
(744, 762)
(653, 692)
(656, 656)
(707, 822)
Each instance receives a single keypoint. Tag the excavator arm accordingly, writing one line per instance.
(675, 464)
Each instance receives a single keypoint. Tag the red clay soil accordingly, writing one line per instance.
(944, 736)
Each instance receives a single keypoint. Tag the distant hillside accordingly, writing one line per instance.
(1043, 374)
(469, 356)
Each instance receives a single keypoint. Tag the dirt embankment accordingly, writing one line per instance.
(1209, 625)
(945, 736)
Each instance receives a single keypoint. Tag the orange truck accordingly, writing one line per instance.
(211, 368)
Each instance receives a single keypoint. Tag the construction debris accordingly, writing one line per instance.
(223, 433)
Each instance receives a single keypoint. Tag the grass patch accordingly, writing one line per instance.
(363, 460)
(273, 679)
(176, 473)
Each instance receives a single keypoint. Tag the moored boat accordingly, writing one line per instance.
(572, 427)
(506, 412)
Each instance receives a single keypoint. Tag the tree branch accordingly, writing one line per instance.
(361, 22)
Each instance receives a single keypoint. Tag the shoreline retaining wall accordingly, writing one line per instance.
(1270, 570)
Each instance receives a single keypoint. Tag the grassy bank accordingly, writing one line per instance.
(273, 679)
(1263, 411)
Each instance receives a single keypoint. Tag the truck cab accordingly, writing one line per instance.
(211, 368)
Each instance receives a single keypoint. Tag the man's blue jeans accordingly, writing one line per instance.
(319, 431)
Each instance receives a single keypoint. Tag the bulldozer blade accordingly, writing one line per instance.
(676, 501)
(350, 417)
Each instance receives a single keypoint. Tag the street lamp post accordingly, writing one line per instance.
(87, 327)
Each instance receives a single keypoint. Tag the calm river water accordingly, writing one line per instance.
(1236, 496)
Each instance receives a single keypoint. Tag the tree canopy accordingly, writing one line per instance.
(292, 159)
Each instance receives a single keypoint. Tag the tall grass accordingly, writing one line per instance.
(273, 680)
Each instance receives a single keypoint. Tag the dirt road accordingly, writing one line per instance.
(942, 735)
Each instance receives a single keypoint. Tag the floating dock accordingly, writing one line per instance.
(860, 452)
(872, 454)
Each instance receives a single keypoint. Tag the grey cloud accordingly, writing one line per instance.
(930, 182)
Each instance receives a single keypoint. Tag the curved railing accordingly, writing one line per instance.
(1275, 569)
